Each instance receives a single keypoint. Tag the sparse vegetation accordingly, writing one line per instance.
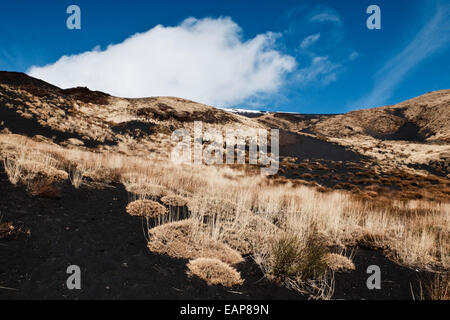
(174, 201)
(340, 218)
(439, 287)
(337, 262)
(214, 272)
(190, 240)
(286, 226)
(146, 208)
(299, 261)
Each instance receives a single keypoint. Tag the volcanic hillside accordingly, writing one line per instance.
(86, 179)
(79, 116)
(395, 147)
(400, 150)
(422, 119)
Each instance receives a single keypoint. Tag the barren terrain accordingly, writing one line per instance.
(86, 179)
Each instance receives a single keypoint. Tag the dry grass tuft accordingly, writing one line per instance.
(151, 191)
(439, 288)
(76, 176)
(44, 190)
(337, 262)
(214, 272)
(146, 208)
(174, 201)
(24, 170)
(189, 239)
(297, 260)
(213, 208)
(250, 234)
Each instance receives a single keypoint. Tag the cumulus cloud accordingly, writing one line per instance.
(309, 41)
(204, 60)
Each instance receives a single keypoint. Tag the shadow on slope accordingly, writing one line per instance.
(91, 229)
(304, 147)
(31, 127)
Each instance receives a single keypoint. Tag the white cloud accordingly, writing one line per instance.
(320, 70)
(354, 55)
(434, 36)
(204, 60)
(326, 14)
(310, 40)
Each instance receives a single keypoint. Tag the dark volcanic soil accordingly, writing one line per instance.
(397, 283)
(304, 147)
(90, 228)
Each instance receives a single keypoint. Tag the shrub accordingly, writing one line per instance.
(28, 171)
(177, 207)
(337, 262)
(174, 201)
(146, 208)
(372, 194)
(188, 239)
(214, 272)
(296, 260)
(286, 257)
(146, 190)
(215, 209)
(254, 234)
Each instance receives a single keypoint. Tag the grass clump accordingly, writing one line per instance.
(337, 262)
(297, 260)
(250, 234)
(213, 209)
(439, 287)
(188, 239)
(174, 201)
(214, 272)
(177, 206)
(146, 208)
(145, 191)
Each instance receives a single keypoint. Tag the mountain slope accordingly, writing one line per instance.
(422, 119)
(425, 118)
(32, 107)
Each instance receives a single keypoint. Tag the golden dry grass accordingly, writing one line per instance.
(188, 239)
(235, 211)
(439, 287)
(430, 112)
(248, 213)
(146, 208)
(174, 201)
(337, 262)
(214, 272)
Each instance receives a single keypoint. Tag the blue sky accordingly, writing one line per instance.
(296, 56)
